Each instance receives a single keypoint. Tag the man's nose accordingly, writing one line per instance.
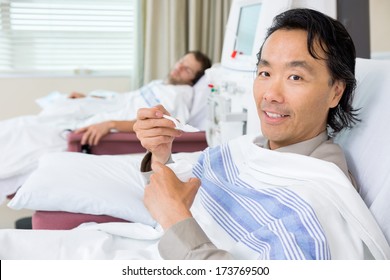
(274, 91)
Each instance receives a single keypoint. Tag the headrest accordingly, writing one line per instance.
(198, 114)
(367, 145)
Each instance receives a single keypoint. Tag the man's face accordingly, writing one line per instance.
(185, 70)
(293, 91)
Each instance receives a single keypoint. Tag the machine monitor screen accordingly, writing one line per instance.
(246, 30)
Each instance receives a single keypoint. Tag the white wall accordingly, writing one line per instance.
(17, 95)
(380, 28)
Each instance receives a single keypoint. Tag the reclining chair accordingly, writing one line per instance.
(365, 147)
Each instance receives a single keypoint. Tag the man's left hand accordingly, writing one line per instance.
(167, 198)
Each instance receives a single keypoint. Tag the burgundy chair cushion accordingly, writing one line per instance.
(128, 143)
(65, 220)
(111, 144)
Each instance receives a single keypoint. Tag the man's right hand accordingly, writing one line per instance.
(155, 132)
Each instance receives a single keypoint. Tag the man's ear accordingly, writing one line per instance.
(337, 92)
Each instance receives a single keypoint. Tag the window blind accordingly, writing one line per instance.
(67, 36)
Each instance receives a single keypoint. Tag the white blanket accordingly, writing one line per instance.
(274, 206)
(24, 140)
(286, 206)
(90, 241)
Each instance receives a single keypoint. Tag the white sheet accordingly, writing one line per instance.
(11, 185)
(91, 241)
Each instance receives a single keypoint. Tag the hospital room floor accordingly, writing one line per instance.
(9, 216)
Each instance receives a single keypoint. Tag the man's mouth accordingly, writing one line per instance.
(275, 115)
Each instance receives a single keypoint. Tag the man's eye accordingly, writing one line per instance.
(295, 78)
(263, 74)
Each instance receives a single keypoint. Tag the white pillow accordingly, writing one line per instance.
(90, 184)
(199, 109)
(367, 145)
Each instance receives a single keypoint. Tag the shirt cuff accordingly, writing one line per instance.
(187, 240)
(146, 163)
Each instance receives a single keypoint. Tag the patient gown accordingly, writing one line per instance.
(25, 139)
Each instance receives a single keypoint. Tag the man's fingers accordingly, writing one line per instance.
(80, 130)
(157, 167)
(98, 137)
(86, 138)
(150, 113)
(159, 131)
(195, 182)
(154, 123)
(155, 142)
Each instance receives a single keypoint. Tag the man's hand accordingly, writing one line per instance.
(93, 133)
(75, 95)
(156, 133)
(167, 198)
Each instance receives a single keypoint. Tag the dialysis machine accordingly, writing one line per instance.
(232, 111)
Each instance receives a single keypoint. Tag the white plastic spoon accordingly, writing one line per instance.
(180, 126)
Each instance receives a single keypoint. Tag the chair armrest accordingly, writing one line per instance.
(128, 143)
(59, 220)
(110, 144)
